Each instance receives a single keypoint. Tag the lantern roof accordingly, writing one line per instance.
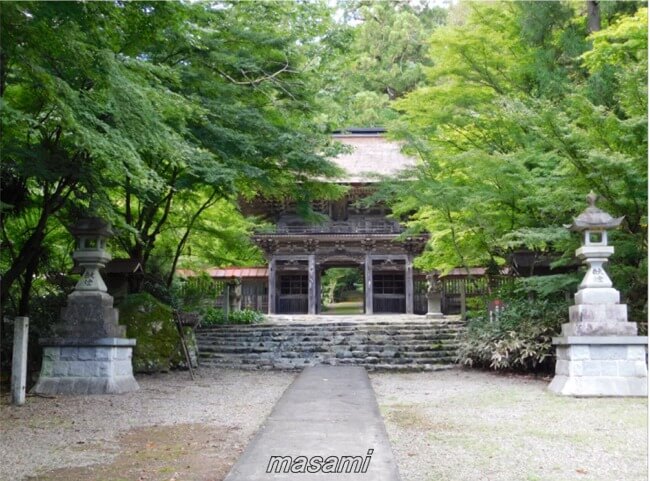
(593, 218)
(91, 226)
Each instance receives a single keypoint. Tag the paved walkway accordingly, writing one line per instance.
(326, 423)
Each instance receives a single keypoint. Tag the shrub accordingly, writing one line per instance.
(213, 316)
(519, 338)
(195, 293)
(152, 324)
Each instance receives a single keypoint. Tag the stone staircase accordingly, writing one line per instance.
(414, 344)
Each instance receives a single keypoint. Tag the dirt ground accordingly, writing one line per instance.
(457, 425)
(172, 429)
(468, 425)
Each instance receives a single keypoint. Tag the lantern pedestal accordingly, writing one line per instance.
(88, 353)
(86, 366)
(600, 366)
(434, 300)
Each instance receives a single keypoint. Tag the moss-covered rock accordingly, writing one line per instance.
(151, 323)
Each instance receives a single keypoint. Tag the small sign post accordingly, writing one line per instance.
(19, 361)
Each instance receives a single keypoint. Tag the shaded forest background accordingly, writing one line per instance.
(159, 116)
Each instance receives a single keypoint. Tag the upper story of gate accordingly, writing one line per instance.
(369, 159)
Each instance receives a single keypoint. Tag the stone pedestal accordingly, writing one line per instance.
(599, 352)
(434, 301)
(88, 353)
(91, 366)
(601, 366)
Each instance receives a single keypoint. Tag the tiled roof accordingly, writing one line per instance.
(228, 272)
(373, 156)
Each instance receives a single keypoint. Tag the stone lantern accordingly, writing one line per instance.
(599, 352)
(91, 235)
(88, 353)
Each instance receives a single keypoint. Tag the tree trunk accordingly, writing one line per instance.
(593, 16)
(179, 248)
(30, 251)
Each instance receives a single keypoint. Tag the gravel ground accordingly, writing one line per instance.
(462, 425)
(46, 434)
(452, 425)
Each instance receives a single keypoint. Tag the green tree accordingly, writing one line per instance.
(381, 56)
(136, 111)
(522, 114)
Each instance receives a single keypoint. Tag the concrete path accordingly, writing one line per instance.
(326, 423)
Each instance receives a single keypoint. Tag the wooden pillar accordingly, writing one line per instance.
(408, 284)
(272, 292)
(368, 284)
(311, 285)
(463, 299)
(226, 301)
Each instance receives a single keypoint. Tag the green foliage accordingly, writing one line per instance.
(212, 316)
(151, 324)
(155, 116)
(194, 293)
(521, 115)
(338, 280)
(380, 56)
(518, 339)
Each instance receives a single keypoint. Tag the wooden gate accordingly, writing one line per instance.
(388, 292)
(292, 298)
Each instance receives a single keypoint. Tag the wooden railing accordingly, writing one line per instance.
(455, 291)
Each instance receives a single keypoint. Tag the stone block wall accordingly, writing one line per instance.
(601, 370)
(86, 370)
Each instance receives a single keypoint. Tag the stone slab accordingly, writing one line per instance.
(87, 342)
(80, 369)
(589, 366)
(599, 386)
(608, 340)
(598, 313)
(328, 411)
(597, 295)
(614, 328)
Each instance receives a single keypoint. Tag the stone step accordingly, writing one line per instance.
(326, 327)
(326, 355)
(348, 331)
(371, 364)
(265, 325)
(397, 339)
(304, 347)
(274, 329)
(416, 345)
(350, 340)
(351, 357)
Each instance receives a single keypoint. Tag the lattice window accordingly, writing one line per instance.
(388, 284)
(293, 285)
